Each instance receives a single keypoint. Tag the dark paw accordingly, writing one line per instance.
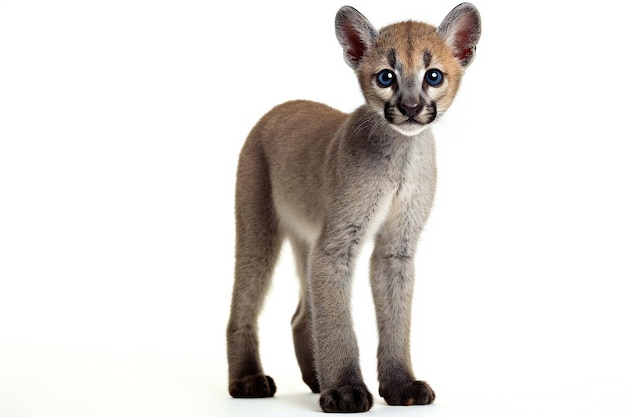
(253, 386)
(415, 393)
(346, 399)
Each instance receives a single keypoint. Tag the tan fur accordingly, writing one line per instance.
(328, 181)
(423, 37)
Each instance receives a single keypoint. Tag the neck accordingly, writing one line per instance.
(368, 135)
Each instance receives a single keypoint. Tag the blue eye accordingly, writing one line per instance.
(386, 78)
(434, 77)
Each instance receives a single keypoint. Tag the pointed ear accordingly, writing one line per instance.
(355, 34)
(461, 31)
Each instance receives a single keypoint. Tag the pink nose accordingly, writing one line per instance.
(409, 109)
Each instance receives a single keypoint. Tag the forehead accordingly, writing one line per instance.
(411, 44)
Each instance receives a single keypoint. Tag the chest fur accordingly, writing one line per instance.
(368, 199)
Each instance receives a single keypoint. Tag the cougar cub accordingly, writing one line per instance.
(327, 181)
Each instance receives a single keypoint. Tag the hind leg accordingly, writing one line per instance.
(257, 248)
(301, 321)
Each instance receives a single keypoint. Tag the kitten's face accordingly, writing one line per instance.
(410, 76)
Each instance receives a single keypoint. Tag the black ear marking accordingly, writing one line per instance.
(461, 30)
(355, 34)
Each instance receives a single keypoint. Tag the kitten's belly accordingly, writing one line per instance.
(296, 222)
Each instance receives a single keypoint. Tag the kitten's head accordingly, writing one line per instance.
(409, 72)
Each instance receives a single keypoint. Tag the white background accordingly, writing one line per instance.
(120, 126)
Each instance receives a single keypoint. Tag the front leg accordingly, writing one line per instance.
(335, 348)
(392, 277)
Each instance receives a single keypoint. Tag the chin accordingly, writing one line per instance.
(409, 129)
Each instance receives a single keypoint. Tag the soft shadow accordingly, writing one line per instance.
(305, 401)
